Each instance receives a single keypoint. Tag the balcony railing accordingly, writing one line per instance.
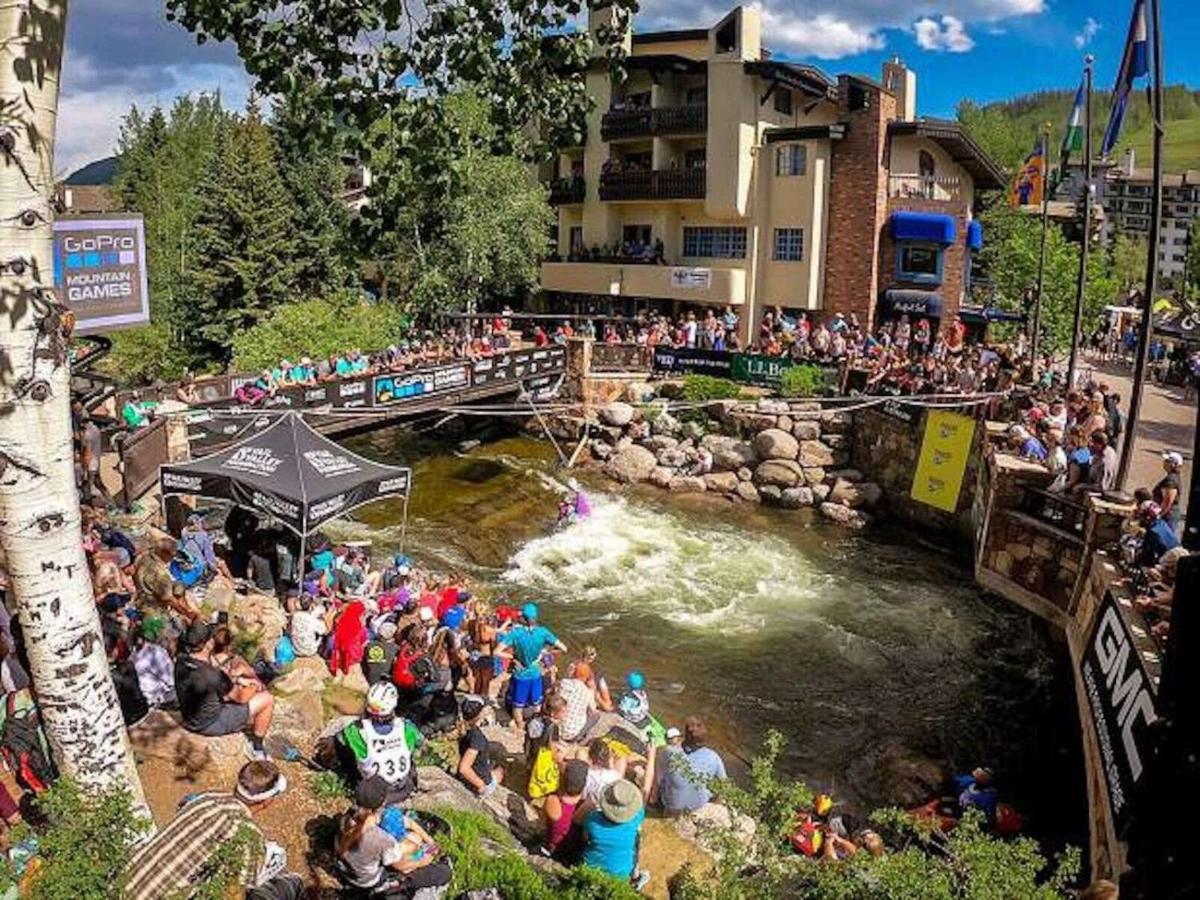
(567, 190)
(657, 184)
(662, 121)
(925, 187)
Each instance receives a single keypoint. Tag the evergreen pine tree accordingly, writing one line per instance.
(247, 247)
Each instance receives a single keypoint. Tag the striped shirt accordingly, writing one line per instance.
(176, 859)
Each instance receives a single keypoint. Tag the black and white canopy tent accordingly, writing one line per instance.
(288, 471)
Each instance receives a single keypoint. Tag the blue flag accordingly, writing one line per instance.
(1134, 65)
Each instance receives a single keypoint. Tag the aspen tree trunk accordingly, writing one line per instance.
(39, 505)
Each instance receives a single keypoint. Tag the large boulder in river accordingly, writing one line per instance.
(747, 492)
(775, 443)
(617, 415)
(687, 484)
(783, 473)
(661, 477)
(814, 453)
(855, 495)
(631, 464)
(796, 498)
(721, 482)
(844, 515)
(729, 454)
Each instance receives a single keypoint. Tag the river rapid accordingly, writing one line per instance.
(874, 654)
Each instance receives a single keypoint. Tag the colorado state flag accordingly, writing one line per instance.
(1029, 186)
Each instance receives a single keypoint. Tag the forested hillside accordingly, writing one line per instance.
(1006, 129)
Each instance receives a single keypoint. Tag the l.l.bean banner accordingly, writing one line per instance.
(943, 460)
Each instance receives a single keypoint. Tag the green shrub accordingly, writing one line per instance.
(802, 381)
(328, 786)
(485, 855)
(317, 328)
(85, 846)
(140, 356)
(703, 388)
(966, 863)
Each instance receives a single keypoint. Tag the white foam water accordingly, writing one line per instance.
(628, 558)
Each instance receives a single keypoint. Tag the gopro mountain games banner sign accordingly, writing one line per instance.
(100, 271)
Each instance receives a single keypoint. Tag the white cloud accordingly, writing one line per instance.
(824, 36)
(1090, 27)
(832, 30)
(90, 111)
(949, 35)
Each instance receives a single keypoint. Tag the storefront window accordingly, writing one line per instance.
(920, 263)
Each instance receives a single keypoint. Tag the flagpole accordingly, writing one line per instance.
(1081, 282)
(1041, 276)
(1143, 349)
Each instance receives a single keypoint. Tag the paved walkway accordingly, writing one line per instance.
(1168, 422)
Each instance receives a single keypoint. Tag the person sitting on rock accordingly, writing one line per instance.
(688, 770)
(383, 851)
(475, 766)
(174, 861)
(205, 695)
(383, 744)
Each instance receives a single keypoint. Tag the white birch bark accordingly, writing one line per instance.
(39, 504)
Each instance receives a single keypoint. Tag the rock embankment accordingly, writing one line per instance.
(786, 453)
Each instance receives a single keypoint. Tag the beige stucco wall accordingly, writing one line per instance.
(794, 202)
(904, 152)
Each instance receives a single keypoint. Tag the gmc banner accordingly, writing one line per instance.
(100, 271)
(1122, 699)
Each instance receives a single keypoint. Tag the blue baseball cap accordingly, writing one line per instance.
(453, 617)
(530, 611)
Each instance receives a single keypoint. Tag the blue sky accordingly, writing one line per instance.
(121, 52)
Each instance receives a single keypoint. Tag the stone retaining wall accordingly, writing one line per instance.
(786, 453)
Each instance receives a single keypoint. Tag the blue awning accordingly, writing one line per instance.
(975, 234)
(936, 228)
(897, 302)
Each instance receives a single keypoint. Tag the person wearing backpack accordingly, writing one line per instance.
(23, 745)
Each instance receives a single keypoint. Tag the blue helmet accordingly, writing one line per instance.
(636, 681)
(530, 612)
(453, 617)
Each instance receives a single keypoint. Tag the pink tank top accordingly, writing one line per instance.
(557, 832)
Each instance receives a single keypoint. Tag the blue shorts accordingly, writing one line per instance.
(524, 692)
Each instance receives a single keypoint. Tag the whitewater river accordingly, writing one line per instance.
(867, 652)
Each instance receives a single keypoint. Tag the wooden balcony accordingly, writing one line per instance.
(657, 184)
(926, 187)
(618, 124)
(564, 191)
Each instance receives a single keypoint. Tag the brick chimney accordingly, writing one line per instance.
(858, 199)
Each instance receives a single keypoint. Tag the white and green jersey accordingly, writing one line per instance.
(386, 755)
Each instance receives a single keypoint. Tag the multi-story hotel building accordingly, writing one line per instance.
(715, 174)
(1125, 194)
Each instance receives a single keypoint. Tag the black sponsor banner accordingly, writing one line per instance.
(389, 390)
(1122, 698)
(689, 361)
(901, 412)
(217, 424)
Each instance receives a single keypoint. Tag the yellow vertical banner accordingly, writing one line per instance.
(943, 460)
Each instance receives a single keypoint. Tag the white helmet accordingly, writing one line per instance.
(382, 699)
